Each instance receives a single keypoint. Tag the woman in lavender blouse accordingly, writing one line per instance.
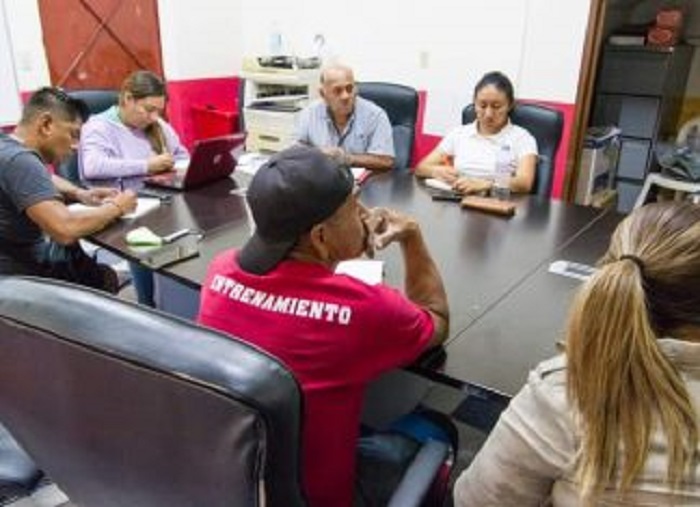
(131, 139)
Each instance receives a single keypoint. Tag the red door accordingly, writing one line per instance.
(97, 43)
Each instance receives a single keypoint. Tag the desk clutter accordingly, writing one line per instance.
(143, 236)
(157, 251)
(485, 204)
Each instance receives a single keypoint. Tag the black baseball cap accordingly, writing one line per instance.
(295, 190)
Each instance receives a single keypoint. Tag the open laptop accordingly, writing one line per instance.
(212, 159)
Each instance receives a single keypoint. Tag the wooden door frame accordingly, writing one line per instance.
(584, 93)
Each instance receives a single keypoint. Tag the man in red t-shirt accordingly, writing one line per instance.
(334, 332)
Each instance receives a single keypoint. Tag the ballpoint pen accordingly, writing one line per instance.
(120, 182)
(154, 195)
(176, 235)
(453, 197)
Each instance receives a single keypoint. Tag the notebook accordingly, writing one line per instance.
(370, 271)
(143, 206)
(212, 160)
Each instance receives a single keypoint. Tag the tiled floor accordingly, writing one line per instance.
(45, 496)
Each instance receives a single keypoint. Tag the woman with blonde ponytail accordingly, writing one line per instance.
(132, 139)
(613, 421)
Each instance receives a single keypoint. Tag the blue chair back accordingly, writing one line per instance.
(96, 101)
(401, 105)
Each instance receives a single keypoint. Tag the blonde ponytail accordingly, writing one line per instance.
(620, 383)
(156, 137)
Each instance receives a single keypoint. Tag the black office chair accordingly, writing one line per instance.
(97, 101)
(122, 405)
(18, 475)
(401, 105)
(545, 124)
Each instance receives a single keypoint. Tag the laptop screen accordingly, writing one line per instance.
(213, 159)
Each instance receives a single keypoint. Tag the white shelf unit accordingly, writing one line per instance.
(272, 100)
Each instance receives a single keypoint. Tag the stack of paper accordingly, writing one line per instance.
(360, 174)
(370, 271)
(143, 206)
(250, 162)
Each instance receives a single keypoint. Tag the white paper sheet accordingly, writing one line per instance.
(143, 206)
(370, 271)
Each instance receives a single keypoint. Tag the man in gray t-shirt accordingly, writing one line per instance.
(38, 233)
(350, 129)
(24, 181)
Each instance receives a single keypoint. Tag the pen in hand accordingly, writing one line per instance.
(453, 197)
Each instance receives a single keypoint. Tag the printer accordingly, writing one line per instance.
(276, 89)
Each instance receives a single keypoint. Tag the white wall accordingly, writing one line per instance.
(25, 33)
(200, 38)
(9, 91)
(551, 56)
(440, 46)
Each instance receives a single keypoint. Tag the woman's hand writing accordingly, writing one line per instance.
(160, 163)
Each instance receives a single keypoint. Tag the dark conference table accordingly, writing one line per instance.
(483, 258)
(498, 349)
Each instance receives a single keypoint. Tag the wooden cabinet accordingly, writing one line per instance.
(640, 90)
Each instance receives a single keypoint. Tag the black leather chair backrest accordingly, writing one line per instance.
(96, 101)
(545, 124)
(401, 105)
(121, 405)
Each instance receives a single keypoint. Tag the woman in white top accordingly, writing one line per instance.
(466, 157)
(614, 420)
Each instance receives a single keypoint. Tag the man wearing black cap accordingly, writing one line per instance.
(336, 333)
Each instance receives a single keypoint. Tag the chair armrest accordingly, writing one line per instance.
(17, 470)
(420, 475)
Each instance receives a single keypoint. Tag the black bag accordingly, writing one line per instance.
(72, 264)
(679, 162)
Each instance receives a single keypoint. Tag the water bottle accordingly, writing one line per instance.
(275, 42)
(503, 173)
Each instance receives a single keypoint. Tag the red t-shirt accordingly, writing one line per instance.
(335, 333)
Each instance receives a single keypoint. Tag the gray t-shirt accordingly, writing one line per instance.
(367, 131)
(24, 181)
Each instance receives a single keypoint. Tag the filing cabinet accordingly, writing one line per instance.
(640, 90)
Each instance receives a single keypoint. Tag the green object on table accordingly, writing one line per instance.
(143, 236)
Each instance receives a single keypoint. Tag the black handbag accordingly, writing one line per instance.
(679, 162)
